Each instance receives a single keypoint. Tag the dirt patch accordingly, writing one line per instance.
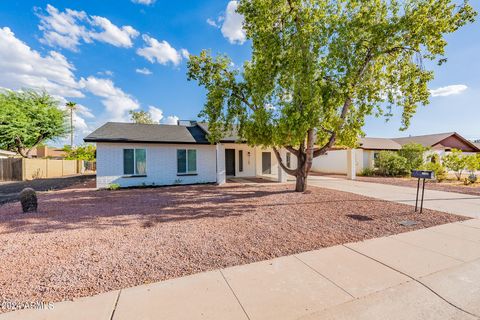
(9, 190)
(84, 242)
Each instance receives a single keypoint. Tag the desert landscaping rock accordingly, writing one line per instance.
(84, 241)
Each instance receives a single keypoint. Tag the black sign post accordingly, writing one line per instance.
(421, 175)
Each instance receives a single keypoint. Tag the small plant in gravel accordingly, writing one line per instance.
(471, 179)
(367, 172)
(113, 186)
(28, 199)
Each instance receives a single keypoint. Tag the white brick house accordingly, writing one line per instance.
(152, 154)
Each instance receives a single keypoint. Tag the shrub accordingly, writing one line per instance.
(391, 164)
(413, 152)
(456, 162)
(367, 172)
(472, 163)
(471, 179)
(113, 186)
(437, 168)
(28, 199)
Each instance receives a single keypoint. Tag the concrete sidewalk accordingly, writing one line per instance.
(455, 203)
(426, 274)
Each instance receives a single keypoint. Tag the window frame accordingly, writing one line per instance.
(288, 159)
(187, 172)
(135, 171)
(240, 160)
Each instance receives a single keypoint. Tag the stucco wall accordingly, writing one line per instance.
(335, 161)
(161, 164)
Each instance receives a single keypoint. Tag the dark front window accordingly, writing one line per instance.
(289, 159)
(186, 161)
(134, 161)
(240, 160)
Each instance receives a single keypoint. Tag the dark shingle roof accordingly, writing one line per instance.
(427, 140)
(149, 133)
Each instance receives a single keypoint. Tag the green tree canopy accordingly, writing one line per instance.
(28, 118)
(455, 161)
(141, 117)
(319, 67)
(86, 152)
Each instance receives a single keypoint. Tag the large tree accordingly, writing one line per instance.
(28, 118)
(319, 67)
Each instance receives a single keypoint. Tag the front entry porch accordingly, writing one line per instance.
(241, 161)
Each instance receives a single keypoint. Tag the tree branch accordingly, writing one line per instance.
(280, 162)
(292, 150)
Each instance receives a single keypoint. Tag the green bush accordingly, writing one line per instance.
(113, 186)
(367, 172)
(456, 162)
(413, 152)
(392, 164)
(437, 168)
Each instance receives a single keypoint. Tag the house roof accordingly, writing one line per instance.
(429, 140)
(425, 140)
(231, 136)
(379, 144)
(149, 133)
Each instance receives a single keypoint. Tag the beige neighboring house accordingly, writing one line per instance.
(6, 154)
(347, 161)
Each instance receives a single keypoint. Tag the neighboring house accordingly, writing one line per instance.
(48, 152)
(337, 161)
(131, 154)
(6, 154)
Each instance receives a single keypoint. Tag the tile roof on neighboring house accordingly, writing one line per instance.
(149, 133)
(379, 144)
(440, 141)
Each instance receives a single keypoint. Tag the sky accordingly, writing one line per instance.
(114, 56)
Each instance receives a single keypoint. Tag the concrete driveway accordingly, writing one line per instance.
(455, 203)
(425, 274)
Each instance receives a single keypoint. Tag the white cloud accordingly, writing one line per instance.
(448, 90)
(232, 27)
(118, 37)
(144, 71)
(146, 2)
(116, 102)
(161, 52)
(105, 73)
(70, 28)
(171, 120)
(185, 53)
(22, 67)
(212, 23)
(155, 113)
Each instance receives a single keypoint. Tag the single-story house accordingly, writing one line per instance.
(6, 154)
(338, 161)
(131, 154)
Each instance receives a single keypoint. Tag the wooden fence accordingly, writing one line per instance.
(10, 169)
(29, 169)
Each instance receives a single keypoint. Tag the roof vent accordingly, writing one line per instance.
(187, 123)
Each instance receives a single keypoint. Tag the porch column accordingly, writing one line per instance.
(351, 165)
(221, 176)
(282, 175)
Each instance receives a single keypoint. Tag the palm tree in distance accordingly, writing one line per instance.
(72, 106)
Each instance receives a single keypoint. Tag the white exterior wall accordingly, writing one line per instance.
(249, 159)
(335, 161)
(161, 164)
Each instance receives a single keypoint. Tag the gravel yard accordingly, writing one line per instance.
(83, 242)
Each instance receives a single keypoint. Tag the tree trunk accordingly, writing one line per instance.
(301, 183)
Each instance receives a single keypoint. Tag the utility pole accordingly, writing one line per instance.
(72, 106)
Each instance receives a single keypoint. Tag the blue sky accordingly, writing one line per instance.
(113, 56)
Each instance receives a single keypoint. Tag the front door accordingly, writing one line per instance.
(266, 163)
(230, 162)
